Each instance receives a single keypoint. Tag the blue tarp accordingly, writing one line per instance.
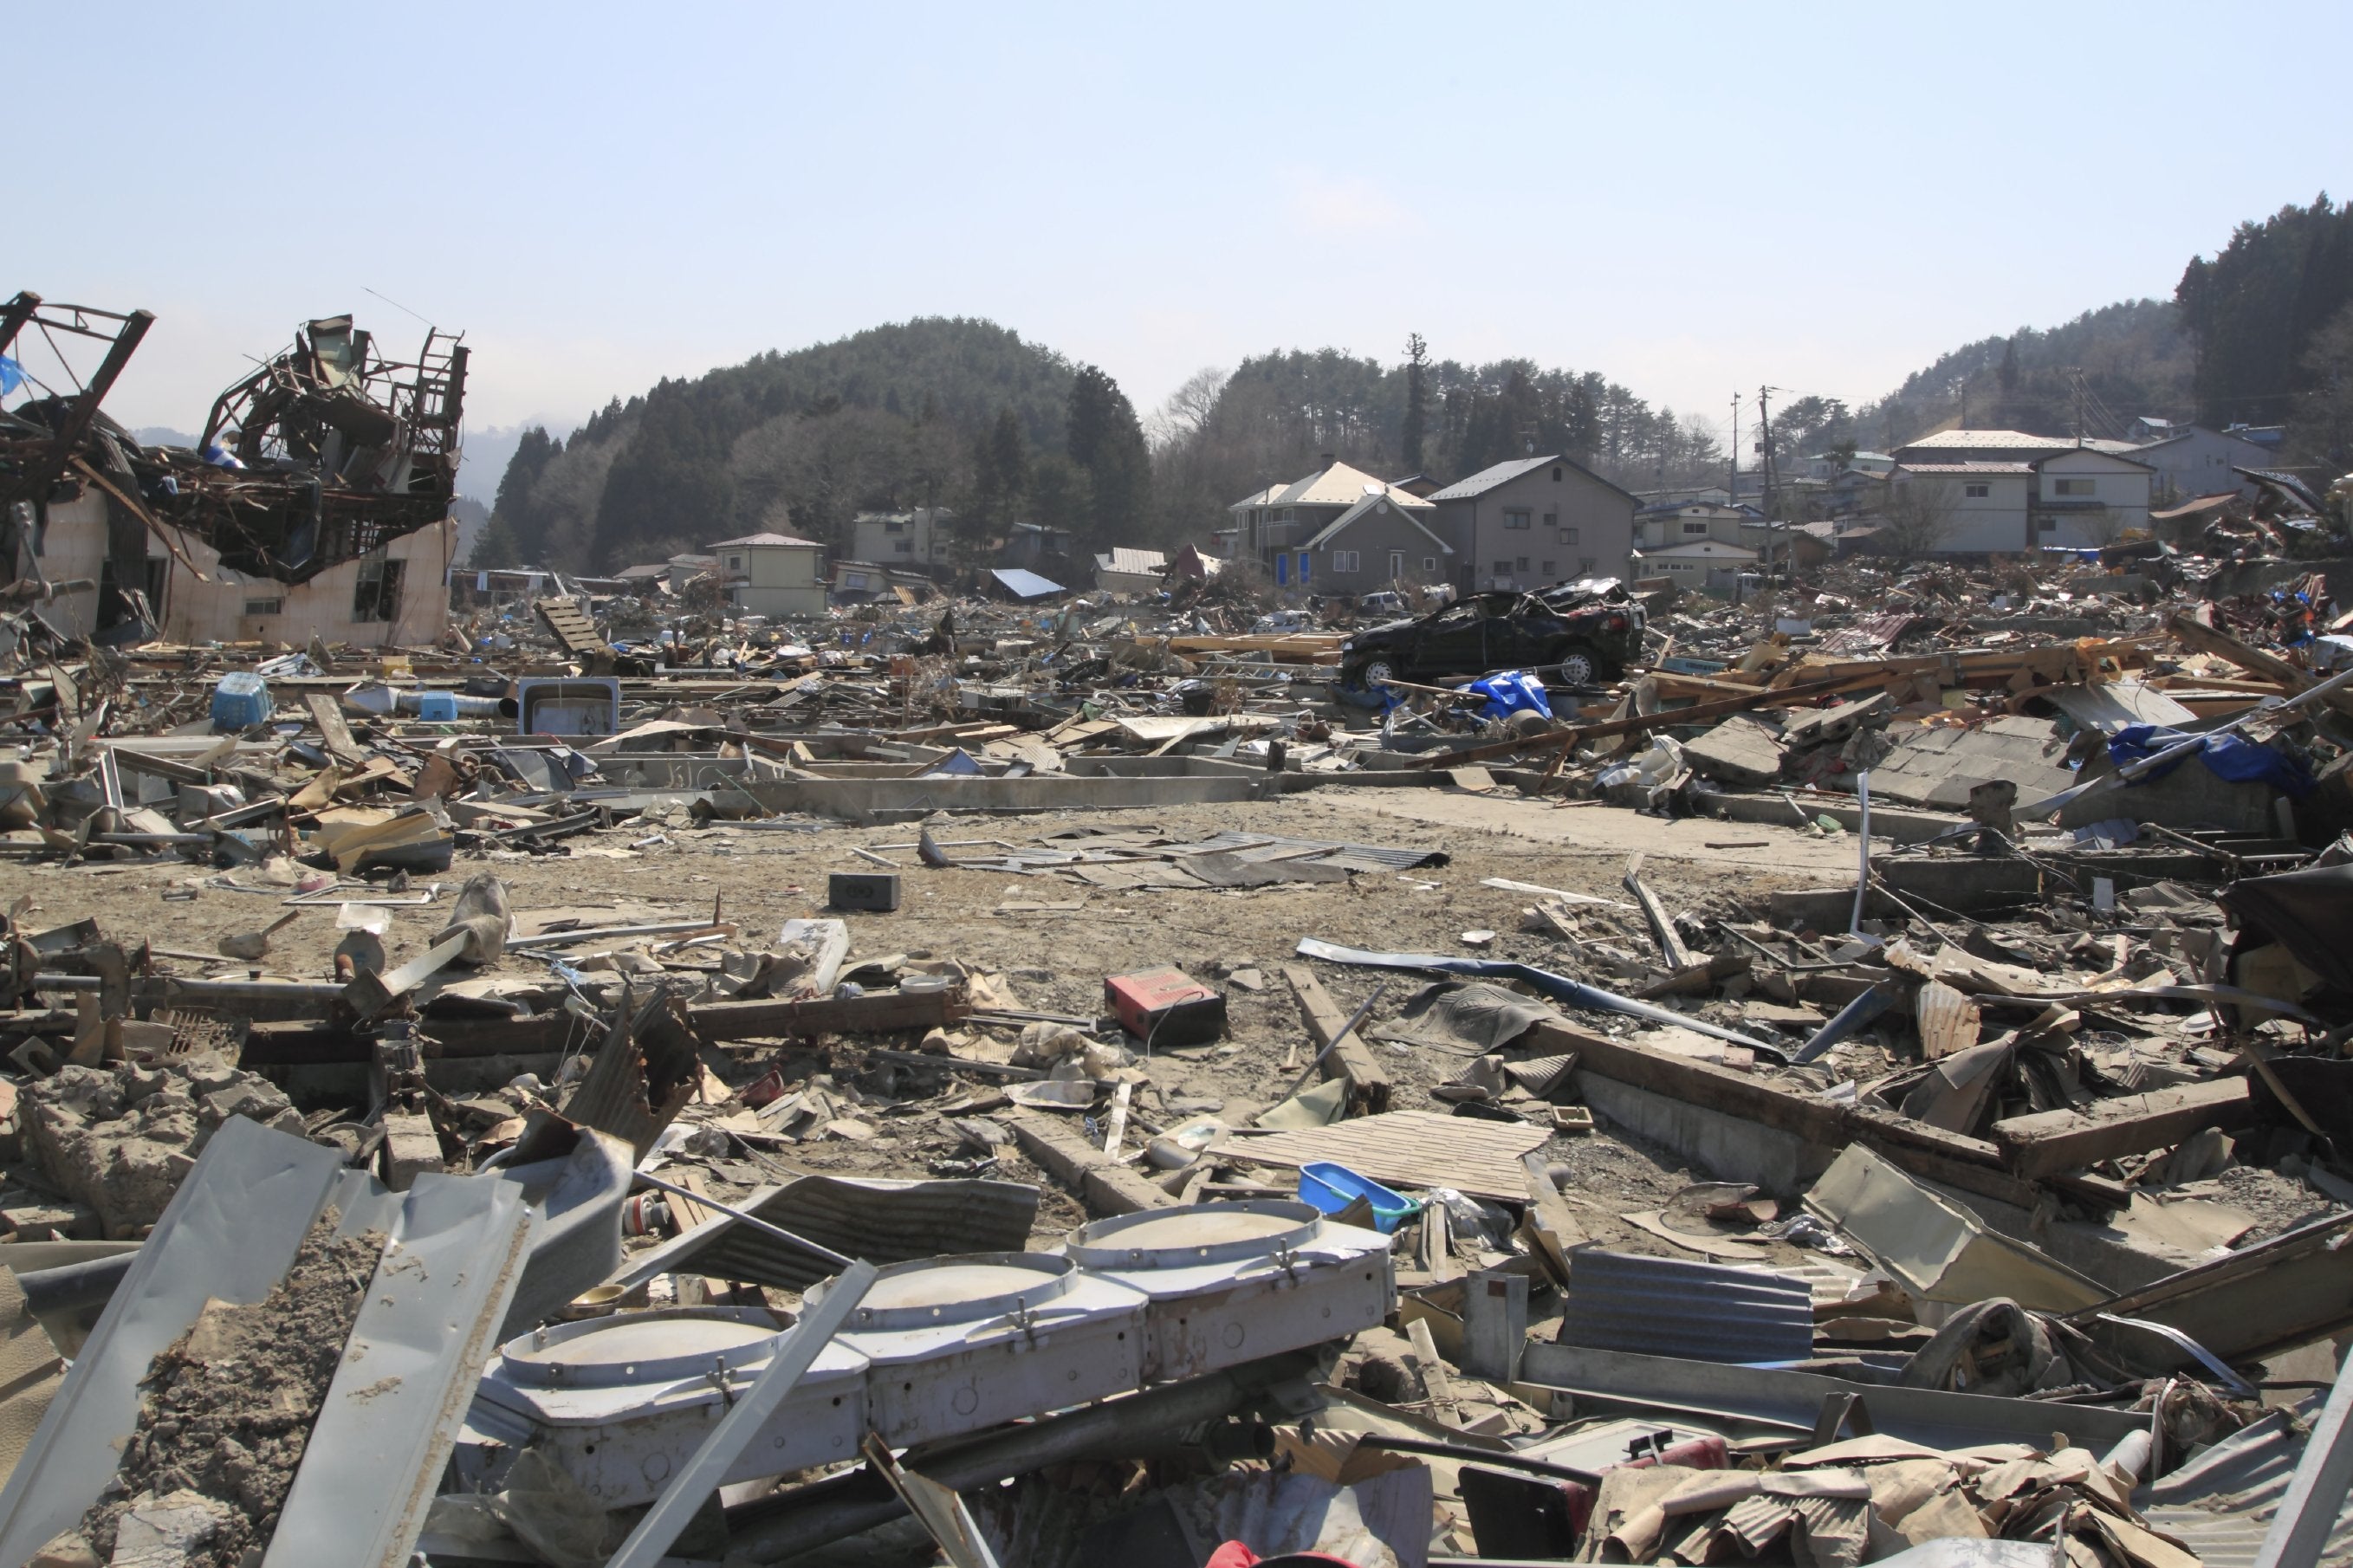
(1511, 691)
(2226, 756)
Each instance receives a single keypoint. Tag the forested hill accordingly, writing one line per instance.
(965, 414)
(2135, 358)
(796, 442)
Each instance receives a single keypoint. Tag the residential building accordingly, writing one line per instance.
(1338, 531)
(902, 539)
(1280, 517)
(1121, 570)
(772, 574)
(1533, 521)
(2041, 497)
(1997, 447)
(1783, 547)
(1385, 540)
(1658, 526)
(1192, 561)
(685, 569)
(859, 582)
(2191, 461)
(1033, 545)
(1829, 466)
(1974, 508)
(1676, 495)
(1695, 565)
(647, 579)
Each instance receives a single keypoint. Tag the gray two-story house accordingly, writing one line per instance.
(1533, 521)
(1339, 531)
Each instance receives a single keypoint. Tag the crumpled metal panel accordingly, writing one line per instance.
(881, 1221)
(2220, 1504)
(1668, 1306)
(231, 1232)
(428, 1322)
(1355, 857)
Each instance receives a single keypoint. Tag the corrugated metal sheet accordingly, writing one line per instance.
(1701, 1311)
(881, 1222)
(1355, 857)
(1023, 584)
(2220, 1504)
(2113, 704)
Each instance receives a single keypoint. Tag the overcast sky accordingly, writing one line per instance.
(1690, 199)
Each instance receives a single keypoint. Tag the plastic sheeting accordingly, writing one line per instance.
(2226, 756)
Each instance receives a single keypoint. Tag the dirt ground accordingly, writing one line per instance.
(1056, 963)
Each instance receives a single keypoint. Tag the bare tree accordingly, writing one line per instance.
(1919, 512)
(1187, 408)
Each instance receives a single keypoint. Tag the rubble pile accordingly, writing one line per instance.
(1852, 1075)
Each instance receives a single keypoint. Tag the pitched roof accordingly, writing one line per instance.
(763, 539)
(1701, 547)
(1486, 479)
(651, 569)
(1140, 563)
(1339, 485)
(1023, 584)
(1967, 467)
(1408, 505)
(1986, 441)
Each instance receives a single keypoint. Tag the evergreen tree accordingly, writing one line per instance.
(2255, 309)
(520, 533)
(1417, 397)
(1105, 439)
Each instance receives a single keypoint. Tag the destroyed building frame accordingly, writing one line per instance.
(315, 503)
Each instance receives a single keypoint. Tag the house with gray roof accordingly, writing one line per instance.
(1340, 530)
(1533, 521)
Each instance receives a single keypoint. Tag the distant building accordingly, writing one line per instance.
(1121, 570)
(1338, 531)
(1828, 465)
(917, 537)
(1029, 545)
(685, 569)
(772, 574)
(1693, 565)
(1533, 521)
(648, 579)
(2044, 496)
(2191, 461)
(1658, 526)
(862, 582)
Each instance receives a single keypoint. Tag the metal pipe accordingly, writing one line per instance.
(777, 1529)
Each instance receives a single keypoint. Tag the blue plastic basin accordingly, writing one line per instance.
(1331, 1188)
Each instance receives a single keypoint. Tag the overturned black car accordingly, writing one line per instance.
(1576, 634)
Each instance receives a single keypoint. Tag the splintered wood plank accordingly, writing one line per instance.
(2048, 1142)
(1948, 1020)
(1409, 1149)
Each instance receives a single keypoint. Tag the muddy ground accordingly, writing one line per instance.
(1056, 963)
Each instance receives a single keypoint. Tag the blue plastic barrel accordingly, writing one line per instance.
(240, 702)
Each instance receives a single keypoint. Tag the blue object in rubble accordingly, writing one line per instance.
(1332, 1188)
(1511, 691)
(240, 702)
(2226, 756)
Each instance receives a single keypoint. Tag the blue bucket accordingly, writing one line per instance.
(1331, 1188)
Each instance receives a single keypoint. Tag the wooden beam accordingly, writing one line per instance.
(2222, 645)
(1549, 1227)
(1368, 1082)
(328, 714)
(2049, 1143)
(1105, 1187)
(881, 1012)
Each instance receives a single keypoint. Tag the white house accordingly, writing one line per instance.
(902, 539)
(772, 574)
(1983, 506)
(2193, 461)
(1689, 565)
(1655, 526)
(2072, 498)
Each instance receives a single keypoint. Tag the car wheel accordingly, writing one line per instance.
(1376, 672)
(1579, 666)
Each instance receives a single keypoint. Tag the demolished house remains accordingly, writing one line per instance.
(598, 1075)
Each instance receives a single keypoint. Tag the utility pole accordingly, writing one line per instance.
(1765, 429)
(1732, 486)
(2075, 386)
